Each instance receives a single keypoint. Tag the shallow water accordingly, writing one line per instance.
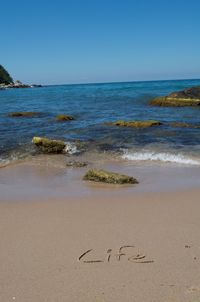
(93, 105)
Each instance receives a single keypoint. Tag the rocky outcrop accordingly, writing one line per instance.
(18, 84)
(7, 82)
(5, 78)
(187, 97)
(23, 114)
(190, 93)
(137, 124)
(64, 117)
(109, 177)
(47, 145)
(36, 86)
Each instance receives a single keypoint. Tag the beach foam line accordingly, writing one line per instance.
(161, 156)
(4, 163)
(7, 161)
(70, 148)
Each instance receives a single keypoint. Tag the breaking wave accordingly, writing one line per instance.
(70, 148)
(160, 156)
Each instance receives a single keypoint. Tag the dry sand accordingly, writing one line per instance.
(41, 241)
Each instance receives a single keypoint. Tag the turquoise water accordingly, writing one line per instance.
(93, 105)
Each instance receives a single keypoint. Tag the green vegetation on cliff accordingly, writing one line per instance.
(5, 78)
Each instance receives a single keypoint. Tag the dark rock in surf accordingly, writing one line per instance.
(47, 145)
(64, 118)
(109, 177)
(184, 125)
(23, 114)
(137, 124)
(187, 97)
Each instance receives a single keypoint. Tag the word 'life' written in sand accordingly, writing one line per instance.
(125, 251)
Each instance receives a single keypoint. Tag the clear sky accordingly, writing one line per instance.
(80, 41)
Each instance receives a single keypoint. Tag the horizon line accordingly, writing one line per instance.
(121, 82)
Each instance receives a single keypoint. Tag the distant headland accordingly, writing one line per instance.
(6, 81)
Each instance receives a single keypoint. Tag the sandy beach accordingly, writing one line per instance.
(100, 151)
(110, 244)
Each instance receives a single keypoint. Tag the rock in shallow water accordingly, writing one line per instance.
(187, 97)
(109, 177)
(137, 124)
(64, 118)
(23, 114)
(76, 164)
(184, 125)
(47, 145)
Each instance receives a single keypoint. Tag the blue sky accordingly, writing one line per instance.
(74, 41)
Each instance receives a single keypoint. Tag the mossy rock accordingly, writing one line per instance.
(174, 102)
(23, 114)
(109, 177)
(76, 164)
(187, 97)
(47, 145)
(137, 124)
(64, 117)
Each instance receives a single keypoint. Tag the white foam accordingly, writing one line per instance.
(4, 162)
(11, 159)
(70, 148)
(160, 156)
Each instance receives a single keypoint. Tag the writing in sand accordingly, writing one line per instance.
(125, 251)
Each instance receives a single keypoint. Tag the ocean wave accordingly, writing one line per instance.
(9, 160)
(26, 151)
(160, 156)
(70, 148)
(4, 162)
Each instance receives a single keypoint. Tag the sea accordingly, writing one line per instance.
(94, 106)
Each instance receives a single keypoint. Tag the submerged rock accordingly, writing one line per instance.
(76, 164)
(47, 145)
(64, 117)
(187, 97)
(23, 114)
(109, 177)
(137, 124)
(184, 125)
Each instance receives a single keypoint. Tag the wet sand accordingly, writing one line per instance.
(44, 177)
(44, 233)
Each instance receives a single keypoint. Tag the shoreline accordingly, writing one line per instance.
(42, 177)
